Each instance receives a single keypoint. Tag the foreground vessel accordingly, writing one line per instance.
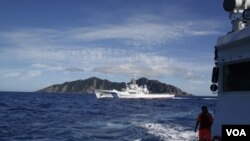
(231, 74)
(131, 91)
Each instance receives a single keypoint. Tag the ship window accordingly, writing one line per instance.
(236, 77)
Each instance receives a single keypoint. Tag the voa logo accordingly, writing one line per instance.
(236, 132)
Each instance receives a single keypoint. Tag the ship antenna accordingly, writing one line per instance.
(239, 13)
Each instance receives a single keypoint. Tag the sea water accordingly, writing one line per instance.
(82, 117)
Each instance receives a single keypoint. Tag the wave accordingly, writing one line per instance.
(209, 98)
(3, 105)
(180, 98)
(171, 132)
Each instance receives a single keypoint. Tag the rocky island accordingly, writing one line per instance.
(87, 86)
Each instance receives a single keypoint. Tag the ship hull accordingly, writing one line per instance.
(118, 94)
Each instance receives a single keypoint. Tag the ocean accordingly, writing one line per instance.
(82, 117)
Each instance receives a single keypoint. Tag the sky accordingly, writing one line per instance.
(45, 42)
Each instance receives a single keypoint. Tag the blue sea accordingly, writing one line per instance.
(82, 117)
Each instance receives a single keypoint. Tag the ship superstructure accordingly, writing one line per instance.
(231, 74)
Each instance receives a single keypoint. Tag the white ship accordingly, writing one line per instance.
(231, 74)
(131, 91)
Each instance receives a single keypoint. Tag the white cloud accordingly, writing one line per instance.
(142, 33)
(20, 74)
(51, 50)
(33, 73)
(197, 82)
(46, 67)
(147, 33)
(53, 68)
(10, 74)
(152, 65)
(113, 61)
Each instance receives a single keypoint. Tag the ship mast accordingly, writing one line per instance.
(239, 13)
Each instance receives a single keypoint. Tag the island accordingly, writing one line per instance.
(88, 85)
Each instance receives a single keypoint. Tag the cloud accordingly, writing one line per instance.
(74, 69)
(145, 33)
(89, 48)
(46, 67)
(20, 74)
(126, 69)
(9, 74)
(114, 61)
(33, 73)
(138, 34)
(197, 82)
(153, 65)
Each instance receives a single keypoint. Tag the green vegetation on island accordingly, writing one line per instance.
(87, 86)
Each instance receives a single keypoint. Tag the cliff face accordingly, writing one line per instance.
(87, 86)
